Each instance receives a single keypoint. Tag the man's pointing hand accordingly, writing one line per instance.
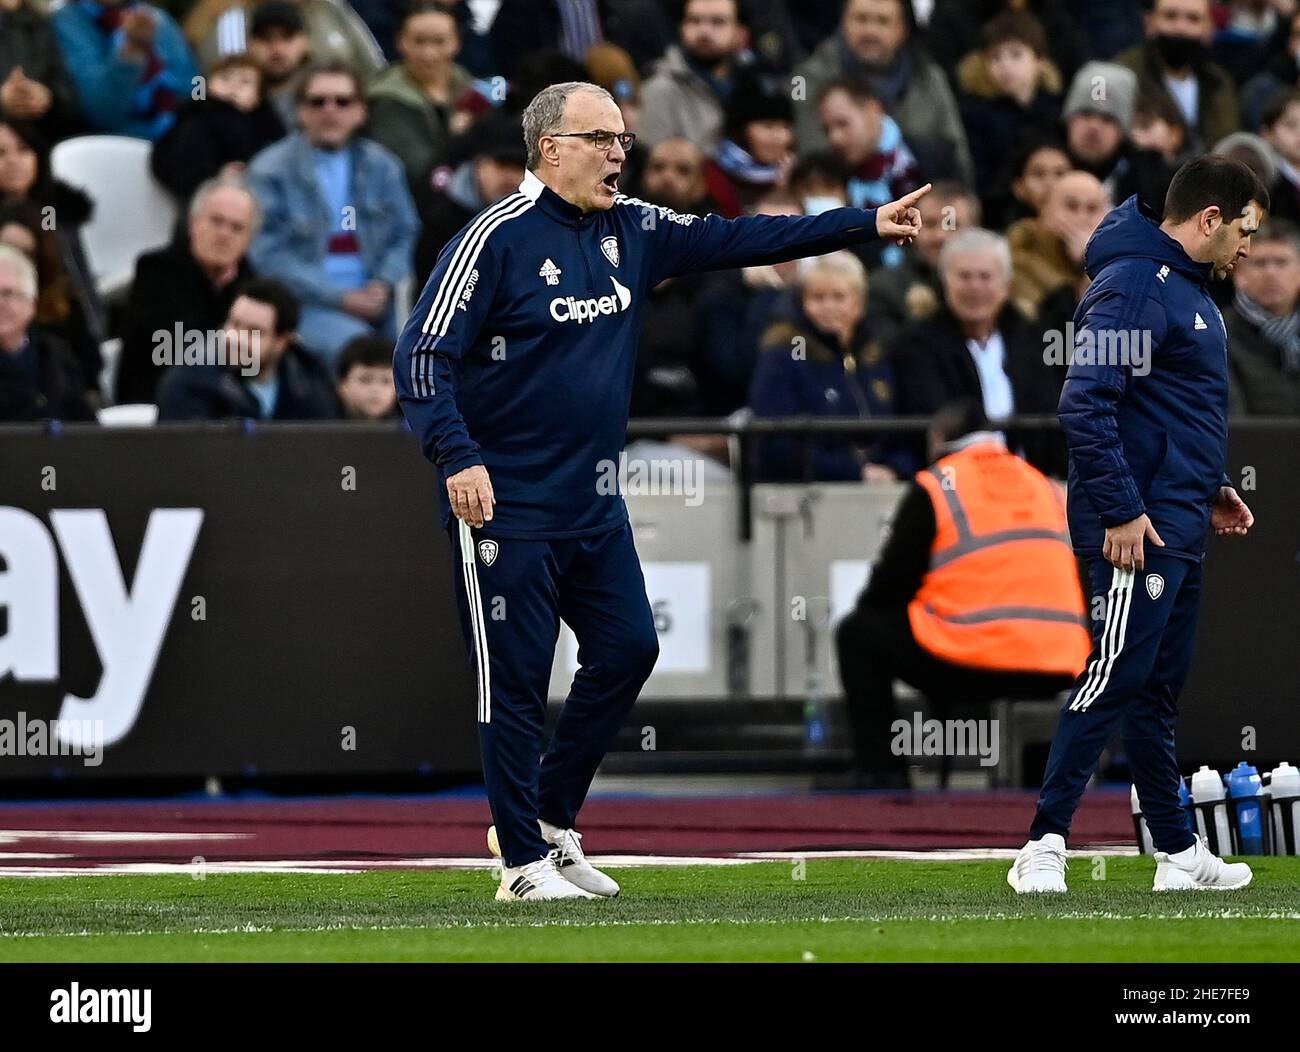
(901, 219)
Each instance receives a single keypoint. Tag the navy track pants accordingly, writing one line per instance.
(511, 595)
(1143, 628)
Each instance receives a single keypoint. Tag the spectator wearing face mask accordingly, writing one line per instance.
(1174, 62)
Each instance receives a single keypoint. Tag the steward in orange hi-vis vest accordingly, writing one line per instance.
(1002, 591)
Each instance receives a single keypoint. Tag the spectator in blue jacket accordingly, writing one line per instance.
(129, 62)
(824, 363)
(339, 223)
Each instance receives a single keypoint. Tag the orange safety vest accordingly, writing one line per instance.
(1002, 591)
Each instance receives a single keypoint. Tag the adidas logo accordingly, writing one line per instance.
(1200, 323)
(550, 272)
(522, 887)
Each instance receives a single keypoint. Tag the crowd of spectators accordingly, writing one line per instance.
(321, 154)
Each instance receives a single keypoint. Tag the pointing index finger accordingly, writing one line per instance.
(907, 200)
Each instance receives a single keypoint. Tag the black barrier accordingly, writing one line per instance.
(311, 630)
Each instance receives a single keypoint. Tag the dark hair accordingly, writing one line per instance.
(427, 7)
(31, 137)
(1213, 180)
(679, 11)
(54, 303)
(820, 164)
(243, 60)
(331, 67)
(1162, 108)
(1031, 145)
(276, 14)
(1018, 27)
(1278, 230)
(278, 297)
(955, 189)
(1277, 104)
(855, 85)
(364, 351)
(954, 419)
(755, 97)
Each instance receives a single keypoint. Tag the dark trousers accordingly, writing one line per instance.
(1143, 628)
(511, 595)
(875, 647)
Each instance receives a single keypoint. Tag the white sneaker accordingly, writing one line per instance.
(538, 881)
(572, 863)
(1040, 866)
(1198, 869)
(568, 858)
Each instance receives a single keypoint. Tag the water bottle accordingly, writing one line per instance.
(1246, 792)
(1145, 846)
(1185, 802)
(1284, 788)
(1211, 810)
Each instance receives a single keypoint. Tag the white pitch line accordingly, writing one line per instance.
(519, 909)
(352, 866)
(10, 836)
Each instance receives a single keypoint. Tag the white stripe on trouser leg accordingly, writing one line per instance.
(470, 569)
(1113, 639)
(1094, 667)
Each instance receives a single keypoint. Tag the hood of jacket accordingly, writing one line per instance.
(1134, 230)
(974, 78)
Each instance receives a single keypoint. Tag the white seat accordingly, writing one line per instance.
(132, 414)
(133, 213)
(110, 351)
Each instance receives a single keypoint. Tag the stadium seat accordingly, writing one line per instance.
(132, 414)
(133, 213)
(110, 353)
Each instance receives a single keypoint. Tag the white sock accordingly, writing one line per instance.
(1184, 856)
(548, 830)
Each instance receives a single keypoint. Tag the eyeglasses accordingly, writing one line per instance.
(602, 140)
(319, 102)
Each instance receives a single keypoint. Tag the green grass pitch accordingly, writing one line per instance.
(824, 910)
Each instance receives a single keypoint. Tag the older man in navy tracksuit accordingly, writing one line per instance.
(1144, 409)
(515, 372)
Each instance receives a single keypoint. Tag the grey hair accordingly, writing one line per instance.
(23, 267)
(226, 182)
(843, 262)
(976, 239)
(545, 113)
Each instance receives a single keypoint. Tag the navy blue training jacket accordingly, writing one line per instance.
(521, 350)
(1145, 437)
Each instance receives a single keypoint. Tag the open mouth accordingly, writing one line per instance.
(610, 182)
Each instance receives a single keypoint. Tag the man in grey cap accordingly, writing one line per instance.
(1098, 115)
